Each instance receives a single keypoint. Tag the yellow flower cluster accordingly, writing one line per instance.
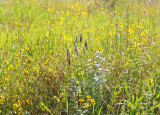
(87, 102)
(1, 100)
(17, 106)
(50, 10)
(44, 107)
(18, 24)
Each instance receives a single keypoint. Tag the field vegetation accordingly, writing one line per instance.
(73, 57)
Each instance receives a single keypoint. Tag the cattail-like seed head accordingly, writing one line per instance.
(68, 56)
(81, 37)
(86, 44)
(150, 2)
(84, 49)
(77, 38)
(79, 103)
(76, 48)
(77, 51)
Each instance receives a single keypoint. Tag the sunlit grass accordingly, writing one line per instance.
(79, 57)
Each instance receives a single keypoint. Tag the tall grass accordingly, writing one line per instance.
(79, 57)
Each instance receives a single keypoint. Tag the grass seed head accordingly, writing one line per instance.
(84, 49)
(76, 46)
(77, 38)
(81, 37)
(86, 44)
(76, 49)
(68, 56)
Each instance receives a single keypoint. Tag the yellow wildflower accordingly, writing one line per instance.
(87, 100)
(130, 30)
(143, 34)
(26, 71)
(20, 25)
(86, 105)
(81, 100)
(14, 22)
(88, 97)
(110, 24)
(49, 10)
(52, 30)
(28, 101)
(15, 106)
(50, 69)
(30, 60)
(17, 82)
(139, 26)
(93, 102)
(121, 24)
(21, 50)
(43, 46)
(84, 13)
(17, 60)
(6, 61)
(151, 80)
(62, 12)
(136, 44)
(60, 22)
(27, 48)
(10, 67)
(44, 107)
(1, 100)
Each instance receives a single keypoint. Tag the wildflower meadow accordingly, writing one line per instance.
(79, 57)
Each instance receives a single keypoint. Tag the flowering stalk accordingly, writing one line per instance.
(77, 38)
(81, 37)
(84, 49)
(68, 56)
(76, 49)
(86, 44)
